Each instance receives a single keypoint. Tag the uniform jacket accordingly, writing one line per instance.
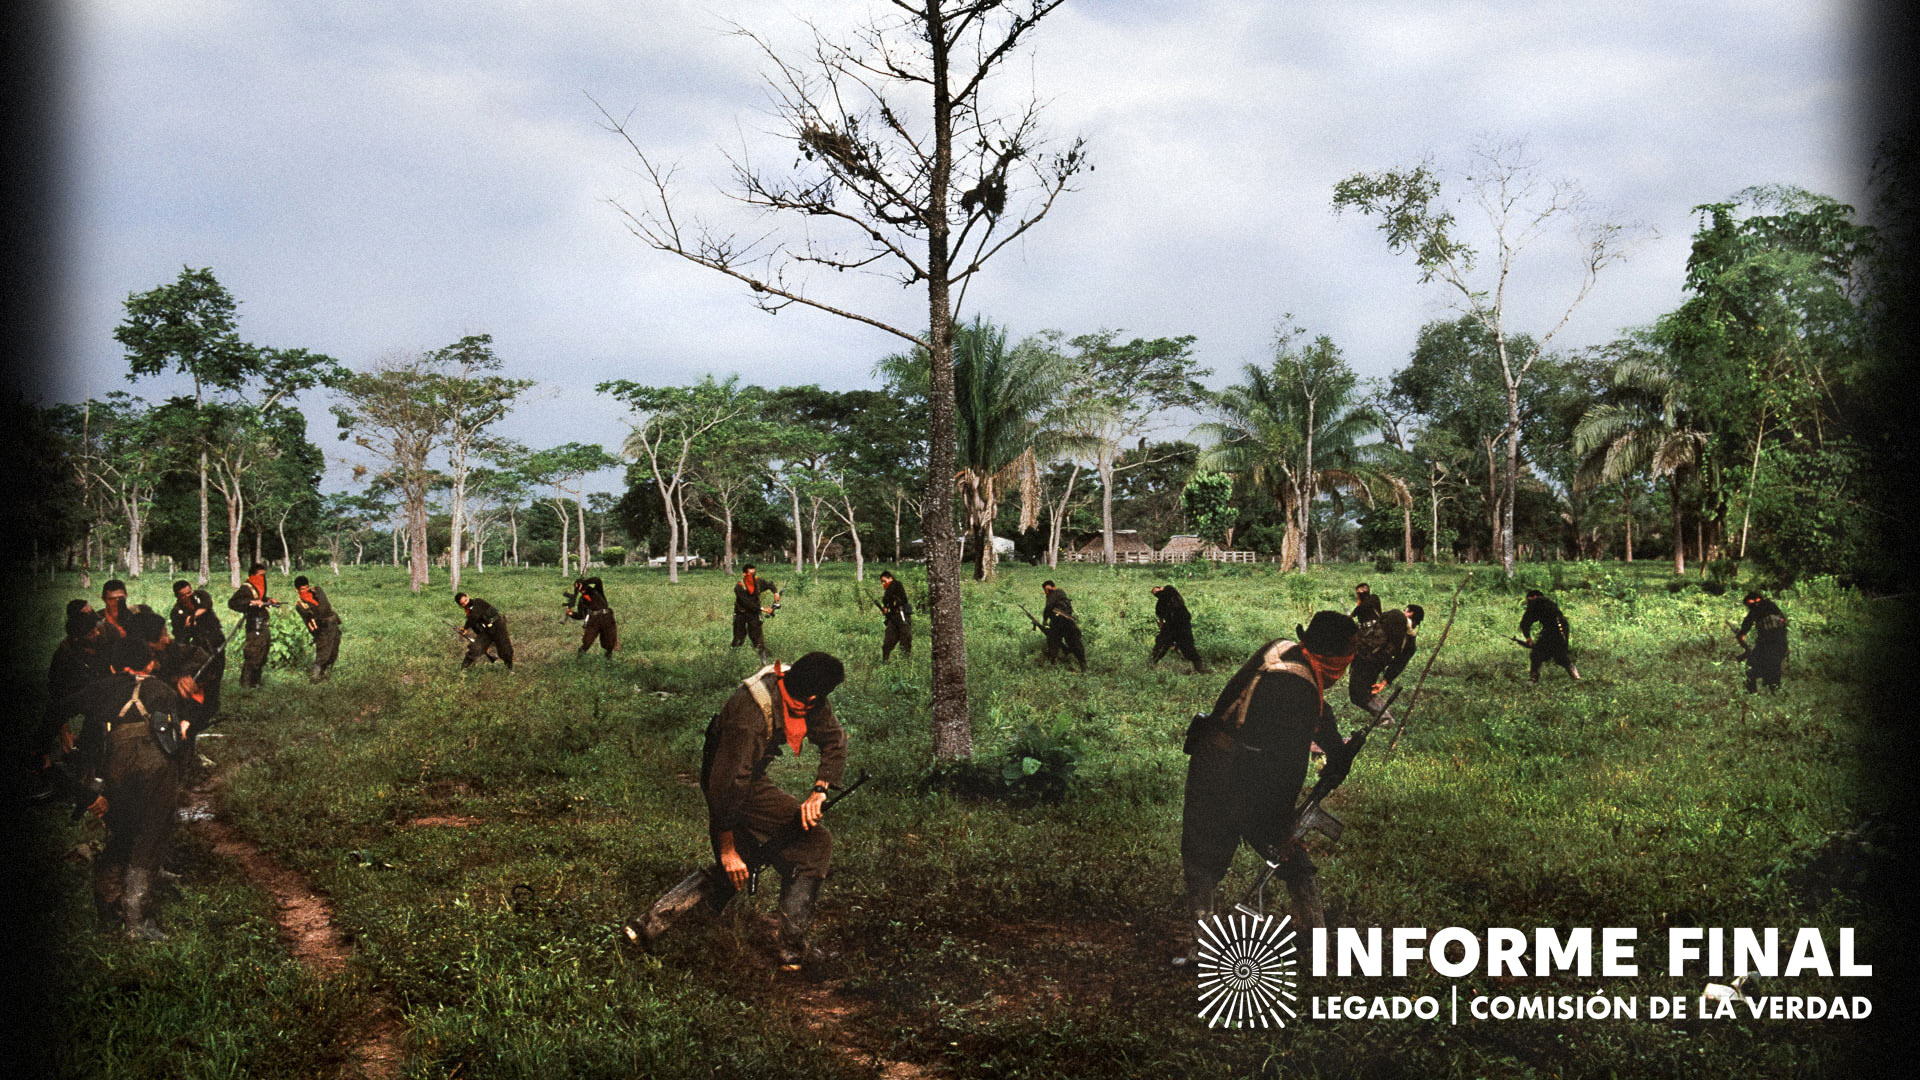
(1057, 605)
(745, 739)
(1553, 625)
(481, 616)
(242, 601)
(204, 631)
(320, 612)
(1171, 610)
(894, 602)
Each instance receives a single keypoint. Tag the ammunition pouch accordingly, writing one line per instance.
(1203, 729)
(165, 729)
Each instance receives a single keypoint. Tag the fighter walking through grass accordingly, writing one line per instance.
(750, 821)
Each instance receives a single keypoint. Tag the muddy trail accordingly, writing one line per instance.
(307, 928)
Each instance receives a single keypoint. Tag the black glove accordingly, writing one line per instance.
(1339, 762)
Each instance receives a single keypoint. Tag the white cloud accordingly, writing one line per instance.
(375, 176)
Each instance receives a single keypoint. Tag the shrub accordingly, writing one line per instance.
(1039, 766)
(613, 556)
(1299, 588)
(1041, 762)
(1384, 564)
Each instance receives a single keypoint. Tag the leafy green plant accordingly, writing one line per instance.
(290, 643)
(1042, 760)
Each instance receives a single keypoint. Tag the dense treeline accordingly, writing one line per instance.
(1742, 427)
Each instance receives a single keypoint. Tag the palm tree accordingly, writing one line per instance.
(1643, 425)
(1010, 417)
(1292, 430)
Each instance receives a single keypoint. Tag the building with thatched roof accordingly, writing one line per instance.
(1127, 548)
(1182, 547)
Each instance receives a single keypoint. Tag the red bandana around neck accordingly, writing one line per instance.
(259, 583)
(750, 583)
(306, 596)
(792, 712)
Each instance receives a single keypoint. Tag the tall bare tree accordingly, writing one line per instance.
(907, 171)
(474, 397)
(393, 412)
(670, 422)
(1518, 208)
(1129, 388)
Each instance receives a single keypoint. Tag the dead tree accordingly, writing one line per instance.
(905, 171)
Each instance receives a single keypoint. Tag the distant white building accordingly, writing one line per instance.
(687, 562)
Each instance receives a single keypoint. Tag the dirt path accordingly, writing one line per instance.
(833, 1019)
(306, 924)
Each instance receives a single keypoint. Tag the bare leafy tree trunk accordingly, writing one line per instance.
(1057, 518)
(886, 173)
(580, 510)
(1626, 498)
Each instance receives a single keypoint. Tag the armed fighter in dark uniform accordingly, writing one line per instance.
(1381, 652)
(252, 601)
(897, 611)
(322, 622)
(1248, 760)
(1061, 628)
(1552, 644)
(129, 749)
(194, 622)
(1767, 654)
(587, 601)
(750, 821)
(747, 610)
(485, 631)
(1176, 627)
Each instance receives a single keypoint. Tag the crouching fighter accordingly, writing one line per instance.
(753, 823)
(130, 747)
(1248, 760)
(1381, 652)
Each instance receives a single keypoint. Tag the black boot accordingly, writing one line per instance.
(643, 930)
(134, 908)
(797, 897)
(1303, 889)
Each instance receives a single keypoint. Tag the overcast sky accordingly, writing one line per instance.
(371, 177)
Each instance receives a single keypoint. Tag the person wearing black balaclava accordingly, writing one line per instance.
(1248, 759)
(750, 820)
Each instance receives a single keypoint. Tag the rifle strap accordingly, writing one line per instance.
(1269, 662)
(756, 686)
(134, 701)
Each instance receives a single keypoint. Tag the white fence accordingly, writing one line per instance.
(1141, 557)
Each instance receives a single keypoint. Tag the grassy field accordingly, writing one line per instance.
(482, 835)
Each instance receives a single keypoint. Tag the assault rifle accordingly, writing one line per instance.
(465, 636)
(1310, 817)
(1030, 618)
(791, 831)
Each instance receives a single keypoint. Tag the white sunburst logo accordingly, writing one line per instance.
(1246, 968)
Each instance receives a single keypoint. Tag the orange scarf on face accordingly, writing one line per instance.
(306, 596)
(1327, 669)
(792, 712)
(259, 583)
(750, 583)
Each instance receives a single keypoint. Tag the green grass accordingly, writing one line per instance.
(980, 938)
